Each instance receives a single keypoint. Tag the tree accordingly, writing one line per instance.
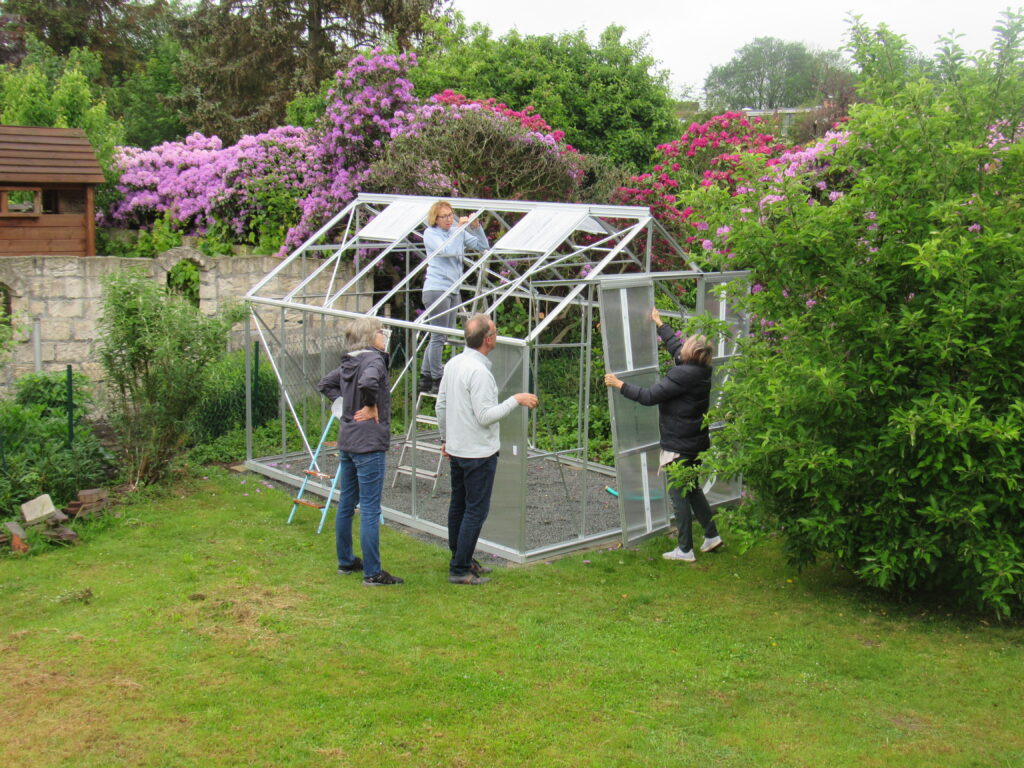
(608, 98)
(769, 73)
(245, 59)
(123, 32)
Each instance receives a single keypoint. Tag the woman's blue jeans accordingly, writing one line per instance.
(362, 481)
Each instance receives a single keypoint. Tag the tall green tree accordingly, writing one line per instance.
(769, 73)
(609, 98)
(245, 59)
(123, 32)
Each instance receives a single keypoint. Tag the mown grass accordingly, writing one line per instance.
(199, 630)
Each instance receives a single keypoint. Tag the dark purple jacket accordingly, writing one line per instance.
(683, 397)
(362, 379)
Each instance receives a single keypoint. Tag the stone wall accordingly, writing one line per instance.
(65, 292)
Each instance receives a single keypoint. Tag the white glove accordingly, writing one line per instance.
(338, 408)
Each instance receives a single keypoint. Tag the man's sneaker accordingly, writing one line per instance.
(678, 554)
(477, 569)
(356, 567)
(713, 543)
(382, 579)
(467, 578)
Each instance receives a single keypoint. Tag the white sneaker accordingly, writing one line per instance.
(678, 554)
(713, 543)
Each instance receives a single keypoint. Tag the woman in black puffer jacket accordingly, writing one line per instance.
(683, 397)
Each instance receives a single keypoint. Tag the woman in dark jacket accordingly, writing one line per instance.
(683, 397)
(362, 382)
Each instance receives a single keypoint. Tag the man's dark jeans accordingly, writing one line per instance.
(472, 482)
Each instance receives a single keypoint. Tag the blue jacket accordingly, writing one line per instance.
(445, 267)
(362, 379)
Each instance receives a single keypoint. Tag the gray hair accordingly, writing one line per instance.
(478, 327)
(359, 334)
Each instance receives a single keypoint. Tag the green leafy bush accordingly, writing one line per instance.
(35, 459)
(877, 414)
(221, 401)
(154, 349)
(50, 391)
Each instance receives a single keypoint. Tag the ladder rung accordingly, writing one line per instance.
(425, 447)
(407, 470)
(312, 504)
(421, 419)
(314, 473)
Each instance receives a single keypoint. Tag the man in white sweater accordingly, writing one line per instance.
(468, 413)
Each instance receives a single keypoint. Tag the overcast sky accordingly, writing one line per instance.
(689, 38)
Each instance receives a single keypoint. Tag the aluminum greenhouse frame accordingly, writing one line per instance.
(558, 273)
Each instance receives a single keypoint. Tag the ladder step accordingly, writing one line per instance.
(312, 504)
(421, 419)
(314, 473)
(425, 447)
(405, 469)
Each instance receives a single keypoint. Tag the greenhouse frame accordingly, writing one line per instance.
(560, 280)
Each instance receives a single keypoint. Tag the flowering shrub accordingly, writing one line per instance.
(276, 188)
(454, 146)
(878, 417)
(249, 188)
(709, 154)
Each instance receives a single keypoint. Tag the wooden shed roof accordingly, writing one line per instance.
(33, 155)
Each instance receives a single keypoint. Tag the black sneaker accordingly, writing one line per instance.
(382, 579)
(356, 567)
(477, 569)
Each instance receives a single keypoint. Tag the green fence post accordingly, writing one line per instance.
(71, 410)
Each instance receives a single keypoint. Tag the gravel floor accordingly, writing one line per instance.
(553, 499)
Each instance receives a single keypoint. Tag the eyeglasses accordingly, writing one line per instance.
(445, 216)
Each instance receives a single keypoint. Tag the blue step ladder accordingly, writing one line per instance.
(314, 471)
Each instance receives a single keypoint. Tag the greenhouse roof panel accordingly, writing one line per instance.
(397, 220)
(541, 230)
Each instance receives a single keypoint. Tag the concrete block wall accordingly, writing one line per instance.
(65, 293)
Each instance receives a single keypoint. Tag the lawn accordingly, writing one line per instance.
(197, 629)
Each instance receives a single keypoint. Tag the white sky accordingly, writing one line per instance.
(689, 38)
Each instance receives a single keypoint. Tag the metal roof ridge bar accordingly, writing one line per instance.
(610, 211)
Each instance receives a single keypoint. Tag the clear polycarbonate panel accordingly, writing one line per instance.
(630, 349)
(541, 230)
(397, 220)
(641, 494)
(506, 524)
(723, 490)
(630, 336)
(714, 294)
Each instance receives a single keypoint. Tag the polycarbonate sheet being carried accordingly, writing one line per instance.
(506, 524)
(631, 351)
(630, 336)
(541, 230)
(397, 220)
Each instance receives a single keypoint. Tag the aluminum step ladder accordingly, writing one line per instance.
(422, 435)
(314, 471)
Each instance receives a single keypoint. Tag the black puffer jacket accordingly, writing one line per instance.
(362, 379)
(683, 397)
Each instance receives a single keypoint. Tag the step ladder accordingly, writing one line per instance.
(314, 471)
(423, 432)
